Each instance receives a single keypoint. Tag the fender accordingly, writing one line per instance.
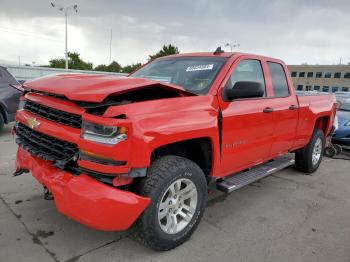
(165, 121)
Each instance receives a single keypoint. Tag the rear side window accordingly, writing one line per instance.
(247, 70)
(279, 80)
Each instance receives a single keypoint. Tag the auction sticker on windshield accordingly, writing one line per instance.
(199, 68)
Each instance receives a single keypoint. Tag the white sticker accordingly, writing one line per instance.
(199, 68)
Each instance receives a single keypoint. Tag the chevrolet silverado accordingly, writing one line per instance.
(142, 151)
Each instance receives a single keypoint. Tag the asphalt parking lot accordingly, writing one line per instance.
(288, 216)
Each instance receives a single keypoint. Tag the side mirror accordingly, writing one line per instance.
(244, 89)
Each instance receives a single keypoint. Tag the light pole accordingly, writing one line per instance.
(232, 46)
(65, 10)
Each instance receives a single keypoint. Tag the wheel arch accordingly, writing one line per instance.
(322, 123)
(198, 150)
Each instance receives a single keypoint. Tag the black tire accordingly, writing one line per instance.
(163, 173)
(338, 149)
(2, 122)
(303, 156)
(330, 152)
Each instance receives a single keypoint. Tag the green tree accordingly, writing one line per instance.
(74, 62)
(57, 63)
(101, 67)
(112, 67)
(130, 68)
(166, 50)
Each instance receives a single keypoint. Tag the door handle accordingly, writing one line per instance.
(268, 110)
(293, 107)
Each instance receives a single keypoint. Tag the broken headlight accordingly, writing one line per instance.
(110, 135)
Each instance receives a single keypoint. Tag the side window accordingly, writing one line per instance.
(247, 70)
(279, 80)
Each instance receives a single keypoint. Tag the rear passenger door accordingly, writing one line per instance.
(285, 110)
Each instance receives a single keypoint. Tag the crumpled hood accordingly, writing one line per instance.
(93, 88)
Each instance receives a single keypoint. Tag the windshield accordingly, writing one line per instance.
(195, 74)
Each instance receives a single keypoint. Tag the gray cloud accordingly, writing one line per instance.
(295, 31)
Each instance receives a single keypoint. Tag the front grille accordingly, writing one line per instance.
(44, 146)
(52, 114)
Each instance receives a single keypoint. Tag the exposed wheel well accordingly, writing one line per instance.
(322, 123)
(198, 150)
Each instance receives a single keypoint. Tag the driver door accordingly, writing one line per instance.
(247, 127)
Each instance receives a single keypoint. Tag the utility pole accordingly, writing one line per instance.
(65, 10)
(110, 47)
(66, 41)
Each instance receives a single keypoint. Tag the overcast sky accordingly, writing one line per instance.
(297, 31)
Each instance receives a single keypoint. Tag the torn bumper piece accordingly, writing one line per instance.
(83, 198)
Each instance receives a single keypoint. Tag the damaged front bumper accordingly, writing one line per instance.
(83, 198)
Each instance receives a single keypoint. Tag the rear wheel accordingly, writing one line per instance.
(308, 158)
(178, 191)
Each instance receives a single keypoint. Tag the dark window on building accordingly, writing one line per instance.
(347, 75)
(345, 89)
(318, 74)
(317, 88)
(325, 89)
(301, 74)
(300, 87)
(279, 80)
(327, 75)
(335, 89)
(337, 75)
(308, 88)
(294, 74)
(310, 74)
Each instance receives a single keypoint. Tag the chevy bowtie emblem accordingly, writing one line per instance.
(33, 123)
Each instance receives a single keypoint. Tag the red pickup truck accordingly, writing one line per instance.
(143, 150)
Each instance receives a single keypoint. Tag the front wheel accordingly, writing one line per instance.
(178, 191)
(308, 158)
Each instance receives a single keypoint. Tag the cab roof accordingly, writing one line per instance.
(212, 54)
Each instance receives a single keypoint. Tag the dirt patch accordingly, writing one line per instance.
(44, 234)
(73, 259)
(36, 240)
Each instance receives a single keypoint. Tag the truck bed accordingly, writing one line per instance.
(314, 106)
